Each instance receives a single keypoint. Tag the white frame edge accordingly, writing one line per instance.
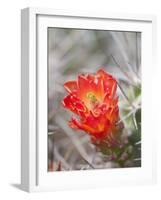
(28, 84)
(28, 99)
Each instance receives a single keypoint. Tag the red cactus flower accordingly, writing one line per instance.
(92, 97)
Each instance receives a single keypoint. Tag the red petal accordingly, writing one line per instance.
(75, 105)
(110, 84)
(113, 115)
(83, 86)
(74, 123)
(110, 102)
(70, 86)
(90, 84)
(103, 74)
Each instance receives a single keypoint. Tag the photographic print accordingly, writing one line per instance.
(94, 99)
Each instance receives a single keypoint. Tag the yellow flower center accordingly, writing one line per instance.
(92, 98)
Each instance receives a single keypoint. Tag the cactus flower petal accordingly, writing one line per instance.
(93, 98)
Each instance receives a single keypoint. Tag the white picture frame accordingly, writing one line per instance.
(34, 175)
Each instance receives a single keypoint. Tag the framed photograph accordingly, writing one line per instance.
(87, 111)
